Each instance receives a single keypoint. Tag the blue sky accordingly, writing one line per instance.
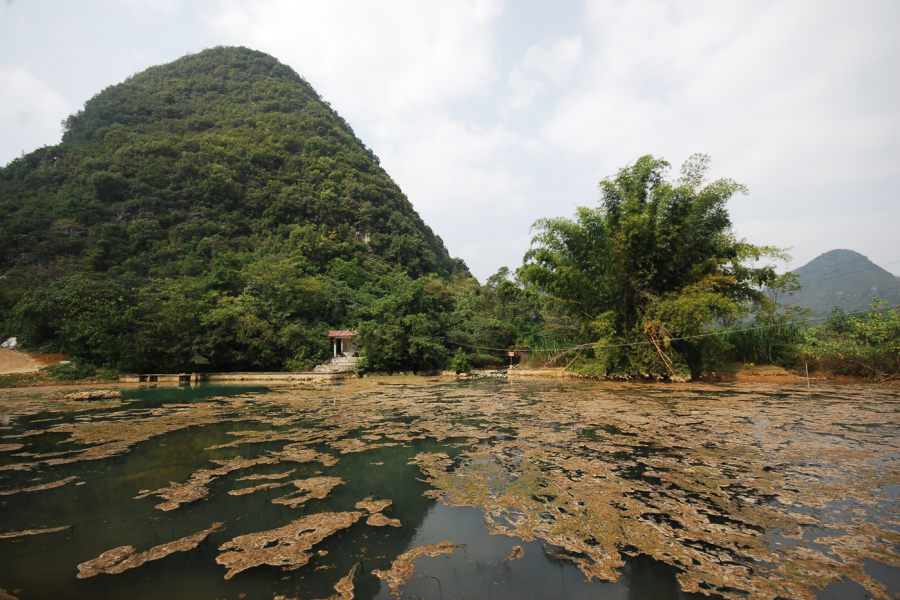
(492, 114)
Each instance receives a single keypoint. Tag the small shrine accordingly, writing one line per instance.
(343, 343)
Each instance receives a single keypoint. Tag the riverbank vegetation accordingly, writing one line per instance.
(215, 214)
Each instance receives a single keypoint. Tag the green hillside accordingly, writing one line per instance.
(225, 150)
(843, 279)
(210, 213)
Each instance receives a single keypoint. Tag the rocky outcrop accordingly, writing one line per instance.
(94, 395)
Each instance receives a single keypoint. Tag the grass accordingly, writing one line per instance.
(46, 377)
(770, 346)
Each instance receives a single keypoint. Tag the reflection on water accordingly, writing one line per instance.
(645, 490)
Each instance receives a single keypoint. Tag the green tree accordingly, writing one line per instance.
(866, 344)
(88, 319)
(656, 260)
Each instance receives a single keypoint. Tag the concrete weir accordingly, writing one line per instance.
(197, 377)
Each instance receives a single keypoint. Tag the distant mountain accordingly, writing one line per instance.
(843, 279)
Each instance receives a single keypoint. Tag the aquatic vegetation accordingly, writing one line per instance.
(258, 476)
(698, 486)
(300, 454)
(344, 588)
(38, 488)
(402, 567)
(517, 552)
(94, 395)
(351, 445)
(374, 506)
(315, 487)
(749, 490)
(379, 520)
(123, 558)
(117, 433)
(256, 488)
(287, 547)
(16, 534)
(196, 487)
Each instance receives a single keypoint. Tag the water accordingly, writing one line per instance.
(531, 446)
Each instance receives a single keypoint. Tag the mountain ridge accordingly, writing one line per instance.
(843, 279)
(214, 213)
(228, 134)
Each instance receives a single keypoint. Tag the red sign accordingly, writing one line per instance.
(512, 354)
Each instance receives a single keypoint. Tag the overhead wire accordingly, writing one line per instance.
(674, 339)
(691, 337)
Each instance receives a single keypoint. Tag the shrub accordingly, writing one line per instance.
(460, 362)
(866, 344)
(70, 371)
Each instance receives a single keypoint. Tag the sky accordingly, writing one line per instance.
(491, 114)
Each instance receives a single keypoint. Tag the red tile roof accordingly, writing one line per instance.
(341, 333)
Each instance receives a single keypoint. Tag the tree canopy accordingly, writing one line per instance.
(232, 205)
(657, 260)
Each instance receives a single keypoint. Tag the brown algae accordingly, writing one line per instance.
(708, 478)
(123, 558)
(16, 534)
(372, 505)
(307, 489)
(287, 547)
(402, 567)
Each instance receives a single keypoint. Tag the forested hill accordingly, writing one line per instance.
(223, 151)
(211, 213)
(843, 279)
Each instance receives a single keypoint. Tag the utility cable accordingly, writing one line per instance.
(675, 339)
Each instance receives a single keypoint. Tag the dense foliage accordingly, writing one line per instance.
(212, 213)
(656, 261)
(866, 344)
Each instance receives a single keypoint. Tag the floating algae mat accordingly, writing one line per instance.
(435, 489)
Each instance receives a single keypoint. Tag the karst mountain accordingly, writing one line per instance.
(210, 213)
(224, 150)
(843, 279)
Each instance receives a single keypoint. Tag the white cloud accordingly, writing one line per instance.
(161, 7)
(449, 165)
(29, 111)
(543, 64)
(465, 182)
(23, 97)
(378, 58)
(870, 233)
(774, 91)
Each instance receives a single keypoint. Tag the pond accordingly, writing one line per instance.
(414, 487)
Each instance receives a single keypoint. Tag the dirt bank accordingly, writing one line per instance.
(17, 362)
(12, 361)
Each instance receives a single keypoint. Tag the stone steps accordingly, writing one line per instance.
(341, 364)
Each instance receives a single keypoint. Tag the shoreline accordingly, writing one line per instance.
(293, 379)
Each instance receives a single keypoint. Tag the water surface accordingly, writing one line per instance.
(547, 489)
